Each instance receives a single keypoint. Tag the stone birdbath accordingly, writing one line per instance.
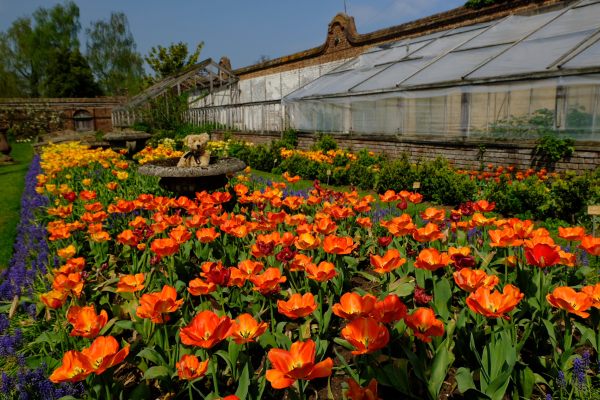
(133, 141)
(189, 180)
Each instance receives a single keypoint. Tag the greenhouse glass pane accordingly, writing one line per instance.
(590, 57)
(389, 77)
(446, 43)
(398, 53)
(454, 65)
(575, 20)
(530, 56)
(510, 30)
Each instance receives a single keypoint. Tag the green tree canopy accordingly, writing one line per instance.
(168, 60)
(112, 55)
(69, 75)
(32, 48)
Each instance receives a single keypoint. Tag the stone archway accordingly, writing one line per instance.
(83, 121)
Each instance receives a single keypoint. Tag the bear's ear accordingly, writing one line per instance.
(186, 141)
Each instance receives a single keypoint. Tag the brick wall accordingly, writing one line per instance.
(467, 154)
(57, 114)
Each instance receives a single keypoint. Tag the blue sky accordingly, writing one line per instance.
(243, 30)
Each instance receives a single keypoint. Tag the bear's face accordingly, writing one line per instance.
(196, 142)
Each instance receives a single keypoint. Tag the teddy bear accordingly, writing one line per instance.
(196, 156)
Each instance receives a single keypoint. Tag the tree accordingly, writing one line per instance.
(112, 55)
(69, 75)
(169, 60)
(32, 48)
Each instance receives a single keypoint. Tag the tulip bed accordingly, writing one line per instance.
(265, 291)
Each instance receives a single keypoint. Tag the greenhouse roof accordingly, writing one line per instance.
(205, 75)
(553, 43)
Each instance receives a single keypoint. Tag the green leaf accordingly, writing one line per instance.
(244, 383)
(417, 364)
(124, 324)
(464, 379)
(351, 262)
(402, 287)
(442, 293)
(108, 325)
(444, 358)
(157, 372)
(151, 355)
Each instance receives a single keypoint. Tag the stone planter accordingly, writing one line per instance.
(131, 140)
(189, 180)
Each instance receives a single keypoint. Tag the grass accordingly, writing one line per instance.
(12, 181)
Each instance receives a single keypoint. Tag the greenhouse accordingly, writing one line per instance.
(511, 77)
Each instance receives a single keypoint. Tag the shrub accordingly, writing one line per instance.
(520, 197)
(325, 143)
(441, 184)
(396, 175)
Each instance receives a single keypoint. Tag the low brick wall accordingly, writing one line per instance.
(463, 153)
(49, 114)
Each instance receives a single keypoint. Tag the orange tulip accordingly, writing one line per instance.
(54, 299)
(156, 305)
(542, 255)
(190, 368)
(250, 267)
(494, 304)
(180, 234)
(366, 335)
(73, 265)
(198, 287)
(364, 222)
(131, 283)
(356, 392)
(268, 282)
(300, 262)
(415, 198)
(390, 309)
(75, 367)
(399, 226)
(127, 238)
(297, 363)
(389, 262)
(205, 330)
(591, 245)
(321, 273)
(353, 305)
(246, 329)
(424, 324)
(67, 252)
(571, 301)
(430, 233)
(69, 283)
(86, 323)
(503, 237)
(297, 306)
(594, 293)
(431, 259)
(307, 241)
(571, 233)
(325, 226)
(289, 178)
(484, 206)
(164, 247)
(338, 245)
(104, 353)
(470, 280)
(432, 214)
(388, 196)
